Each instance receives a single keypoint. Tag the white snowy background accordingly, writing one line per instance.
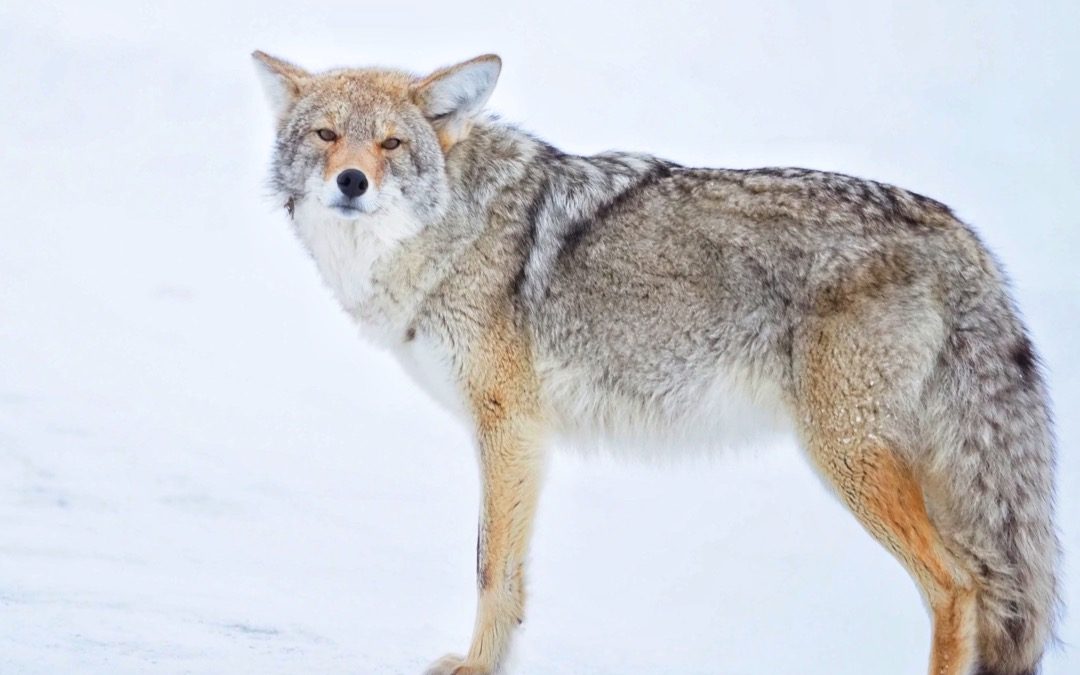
(204, 470)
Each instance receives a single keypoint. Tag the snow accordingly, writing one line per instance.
(203, 469)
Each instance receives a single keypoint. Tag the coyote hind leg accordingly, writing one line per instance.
(851, 419)
(884, 496)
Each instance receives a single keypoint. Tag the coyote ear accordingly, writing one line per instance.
(282, 81)
(452, 97)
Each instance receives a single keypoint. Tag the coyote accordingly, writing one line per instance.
(625, 299)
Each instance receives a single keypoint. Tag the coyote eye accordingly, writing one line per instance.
(391, 143)
(327, 135)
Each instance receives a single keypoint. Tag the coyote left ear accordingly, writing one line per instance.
(451, 98)
(282, 81)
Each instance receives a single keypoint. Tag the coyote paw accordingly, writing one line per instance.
(452, 664)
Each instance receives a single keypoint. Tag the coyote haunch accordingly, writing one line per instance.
(546, 295)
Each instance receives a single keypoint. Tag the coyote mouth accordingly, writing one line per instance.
(348, 210)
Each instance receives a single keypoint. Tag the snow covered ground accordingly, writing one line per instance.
(203, 470)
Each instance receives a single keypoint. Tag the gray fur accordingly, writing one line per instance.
(645, 279)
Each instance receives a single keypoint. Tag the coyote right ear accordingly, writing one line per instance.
(282, 81)
(452, 97)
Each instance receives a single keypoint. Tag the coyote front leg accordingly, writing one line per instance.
(503, 396)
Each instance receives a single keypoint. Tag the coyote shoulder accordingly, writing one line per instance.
(624, 298)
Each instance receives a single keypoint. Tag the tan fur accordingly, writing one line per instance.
(387, 83)
(846, 427)
(347, 154)
(502, 391)
(448, 137)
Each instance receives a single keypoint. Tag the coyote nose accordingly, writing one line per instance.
(352, 183)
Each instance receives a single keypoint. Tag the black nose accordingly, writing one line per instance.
(352, 183)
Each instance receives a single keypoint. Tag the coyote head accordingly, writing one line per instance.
(353, 143)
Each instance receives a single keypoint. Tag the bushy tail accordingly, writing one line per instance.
(995, 451)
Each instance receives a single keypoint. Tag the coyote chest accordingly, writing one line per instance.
(430, 363)
(348, 253)
(349, 256)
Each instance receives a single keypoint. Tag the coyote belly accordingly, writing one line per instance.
(624, 299)
(726, 408)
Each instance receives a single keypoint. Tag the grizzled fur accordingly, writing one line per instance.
(634, 300)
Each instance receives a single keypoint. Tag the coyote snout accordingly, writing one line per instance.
(352, 184)
(348, 193)
(351, 178)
